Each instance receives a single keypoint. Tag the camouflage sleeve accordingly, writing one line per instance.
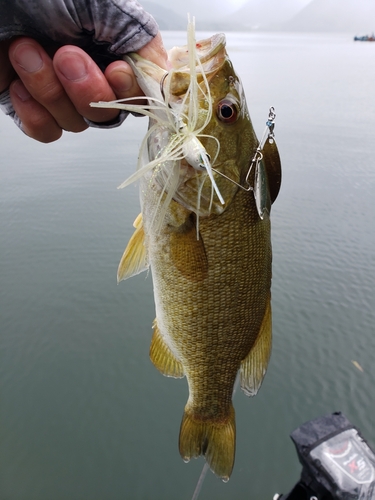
(105, 29)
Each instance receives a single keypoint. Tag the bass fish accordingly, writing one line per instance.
(206, 186)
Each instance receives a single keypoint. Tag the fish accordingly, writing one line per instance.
(206, 187)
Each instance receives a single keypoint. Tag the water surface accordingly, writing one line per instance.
(84, 414)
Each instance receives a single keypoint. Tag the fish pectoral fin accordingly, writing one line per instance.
(138, 222)
(254, 366)
(216, 440)
(189, 254)
(134, 259)
(162, 357)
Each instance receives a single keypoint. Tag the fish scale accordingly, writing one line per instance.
(211, 325)
(236, 255)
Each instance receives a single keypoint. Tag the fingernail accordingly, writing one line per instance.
(72, 66)
(21, 91)
(28, 57)
(121, 81)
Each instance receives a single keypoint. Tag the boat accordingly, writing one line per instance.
(337, 462)
(365, 38)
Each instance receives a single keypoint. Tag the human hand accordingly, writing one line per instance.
(52, 94)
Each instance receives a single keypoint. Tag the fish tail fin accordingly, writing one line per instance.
(214, 439)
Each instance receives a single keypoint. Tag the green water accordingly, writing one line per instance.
(84, 414)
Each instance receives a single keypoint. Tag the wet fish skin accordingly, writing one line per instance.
(213, 323)
(212, 294)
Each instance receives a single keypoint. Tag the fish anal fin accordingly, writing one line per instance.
(189, 254)
(134, 259)
(254, 366)
(162, 357)
(215, 440)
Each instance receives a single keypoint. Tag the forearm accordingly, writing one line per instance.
(105, 29)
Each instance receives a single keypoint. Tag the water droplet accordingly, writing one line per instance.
(186, 459)
(225, 479)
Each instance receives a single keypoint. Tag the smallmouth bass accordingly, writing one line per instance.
(206, 186)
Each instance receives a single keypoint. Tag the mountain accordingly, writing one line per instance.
(256, 14)
(166, 18)
(353, 16)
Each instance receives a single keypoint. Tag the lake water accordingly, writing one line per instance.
(84, 414)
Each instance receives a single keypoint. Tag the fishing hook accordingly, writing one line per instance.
(162, 84)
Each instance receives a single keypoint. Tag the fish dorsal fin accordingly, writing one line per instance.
(254, 366)
(188, 253)
(134, 259)
(272, 164)
(162, 357)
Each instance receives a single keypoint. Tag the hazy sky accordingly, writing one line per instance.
(216, 9)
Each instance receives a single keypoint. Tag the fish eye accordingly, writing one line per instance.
(227, 111)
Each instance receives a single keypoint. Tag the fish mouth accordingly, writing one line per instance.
(210, 55)
(207, 50)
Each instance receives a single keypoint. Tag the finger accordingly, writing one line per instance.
(84, 82)
(120, 76)
(36, 121)
(122, 80)
(7, 72)
(155, 52)
(35, 69)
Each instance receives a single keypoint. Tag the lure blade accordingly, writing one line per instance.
(261, 193)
